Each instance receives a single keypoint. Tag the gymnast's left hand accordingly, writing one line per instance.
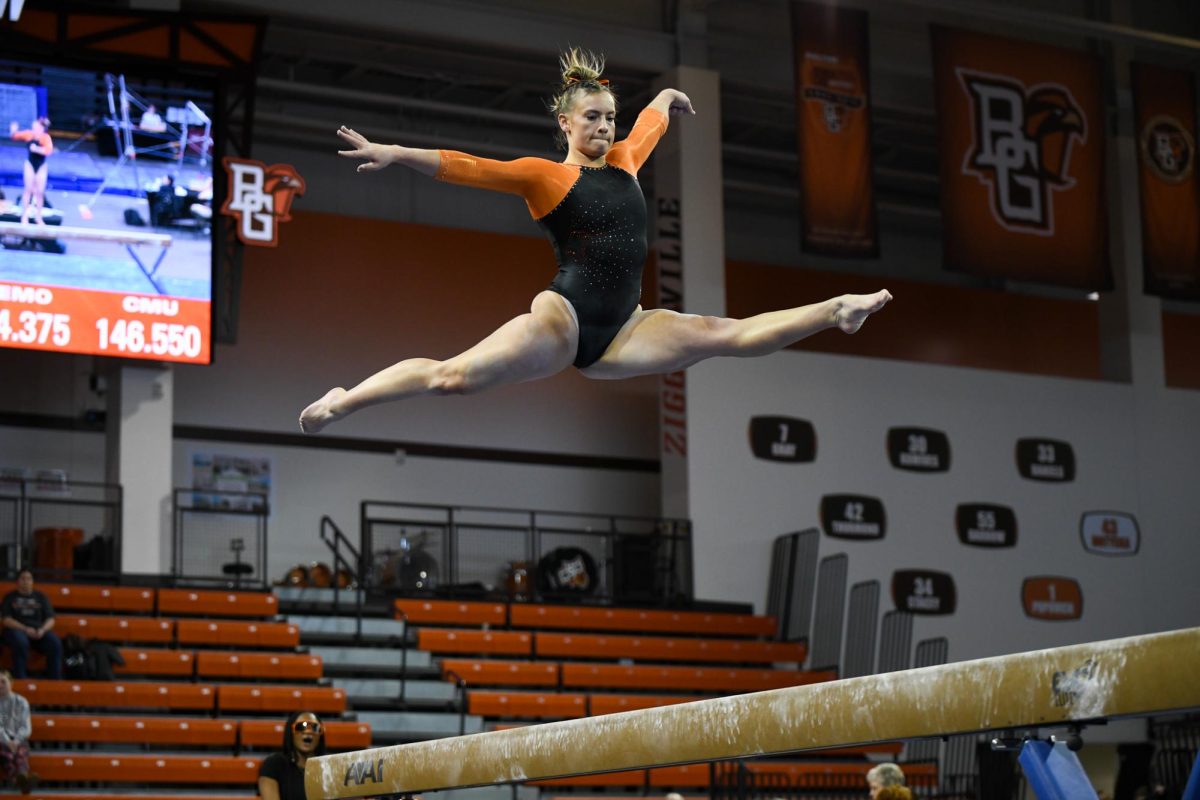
(375, 156)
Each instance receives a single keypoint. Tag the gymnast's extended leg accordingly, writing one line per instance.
(659, 340)
(531, 346)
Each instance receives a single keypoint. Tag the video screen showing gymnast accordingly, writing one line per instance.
(107, 181)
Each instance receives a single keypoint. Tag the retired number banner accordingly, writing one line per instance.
(1021, 139)
(1165, 114)
(837, 199)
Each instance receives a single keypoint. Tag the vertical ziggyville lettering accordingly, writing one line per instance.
(673, 387)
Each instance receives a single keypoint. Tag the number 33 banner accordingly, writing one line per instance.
(1021, 138)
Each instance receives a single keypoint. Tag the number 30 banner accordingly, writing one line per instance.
(1021, 139)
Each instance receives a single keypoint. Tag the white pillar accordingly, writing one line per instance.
(138, 454)
(689, 237)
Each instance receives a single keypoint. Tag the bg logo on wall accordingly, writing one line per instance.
(783, 439)
(986, 525)
(918, 449)
(923, 591)
(1109, 533)
(853, 516)
(1045, 460)
(1168, 149)
(1022, 147)
(1052, 598)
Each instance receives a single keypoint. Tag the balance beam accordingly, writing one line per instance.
(32, 231)
(128, 238)
(1137, 676)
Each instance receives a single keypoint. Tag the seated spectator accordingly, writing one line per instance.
(281, 775)
(152, 121)
(894, 793)
(14, 736)
(883, 776)
(28, 619)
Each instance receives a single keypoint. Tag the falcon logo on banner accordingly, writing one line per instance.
(837, 198)
(1022, 147)
(1165, 114)
(1021, 140)
(260, 198)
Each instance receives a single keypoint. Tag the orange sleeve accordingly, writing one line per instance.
(542, 183)
(631, 152)
(43, 140)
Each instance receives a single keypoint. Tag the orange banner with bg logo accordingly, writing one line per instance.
(837, 197)
(1165, 117)
(1021, 140)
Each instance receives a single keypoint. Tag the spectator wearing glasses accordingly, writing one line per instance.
(281, 775)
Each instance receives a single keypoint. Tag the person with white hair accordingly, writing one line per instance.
(884, 775)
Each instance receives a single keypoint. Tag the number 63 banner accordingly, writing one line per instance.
(1021, 141)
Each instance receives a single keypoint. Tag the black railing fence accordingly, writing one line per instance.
(219, 537)
(60, 528)
(465, 551)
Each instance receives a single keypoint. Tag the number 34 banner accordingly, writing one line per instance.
(1021, 138)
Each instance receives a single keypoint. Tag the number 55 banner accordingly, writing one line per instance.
(1021, 140)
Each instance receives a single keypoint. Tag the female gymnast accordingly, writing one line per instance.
(593, 211)
(36, 169)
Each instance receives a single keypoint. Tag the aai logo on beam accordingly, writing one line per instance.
(13, 7)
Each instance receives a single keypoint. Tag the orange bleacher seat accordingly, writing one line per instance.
(687, 776)
(145, 769)
(221, 664)
(133, 730)
(450, 612)
(140, 796)
(600, 704)
(268, 734)
(117, 629)
(629, 619)
(819, 774)
(697, 678)
(502, 673)
(526, 704)
(633, 777)
(236, 633)
(321, 699)
(656, 648)
(439, 640)
(210, 603)
(117, 694)
(82, 597)
(176, 663)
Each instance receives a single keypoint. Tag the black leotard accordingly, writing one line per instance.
(36, 160)
(598, 233)
(595, 218)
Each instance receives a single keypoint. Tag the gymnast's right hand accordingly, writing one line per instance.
(375, 156)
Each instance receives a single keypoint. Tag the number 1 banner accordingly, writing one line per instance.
(1021, 140)
(837, 197)
(1165, 113)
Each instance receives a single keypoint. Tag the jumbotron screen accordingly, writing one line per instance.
(106, 243)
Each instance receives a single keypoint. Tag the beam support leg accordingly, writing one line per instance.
(1054, 772)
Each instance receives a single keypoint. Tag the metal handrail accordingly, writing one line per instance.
(461, 685)
(335, 543)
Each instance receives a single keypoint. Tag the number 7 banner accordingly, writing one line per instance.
(1165, 115)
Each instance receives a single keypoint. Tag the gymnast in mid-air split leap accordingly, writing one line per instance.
(593, 211)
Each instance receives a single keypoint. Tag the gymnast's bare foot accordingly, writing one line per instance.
(853, 309)
(321, 413)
